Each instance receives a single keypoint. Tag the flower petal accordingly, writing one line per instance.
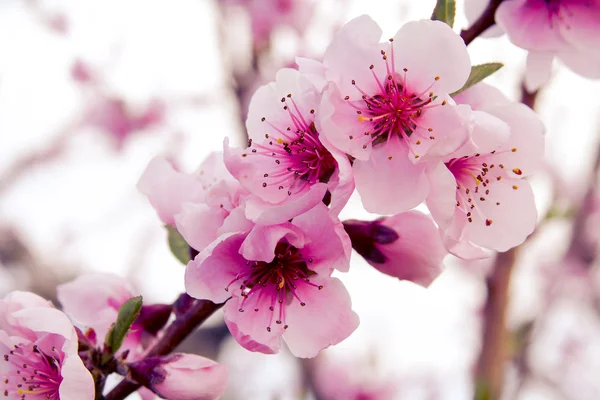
(327, 318)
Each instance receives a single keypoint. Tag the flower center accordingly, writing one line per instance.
(275, 283)
(32, 373)
(298, 159)
(394, 108)
(473, 184)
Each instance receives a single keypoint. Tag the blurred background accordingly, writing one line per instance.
(90, 91)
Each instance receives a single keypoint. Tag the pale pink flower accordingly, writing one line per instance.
(390, 106)
(278, 278)
(565, 29)
(479, 197)
(406, 246)
(288, 165)
(93, 300)
(202, 205)
(181, 376)
(39, 347)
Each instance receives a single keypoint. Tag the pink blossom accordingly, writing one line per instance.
(182, 376)
(39, 346)
(115, 117)
(388, 106)
(566, 29)
(202, 205)
(288, 165)
(480, 198)
(93, 300)
(406, 246)
(280, 284)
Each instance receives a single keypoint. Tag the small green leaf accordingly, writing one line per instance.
(128, 313)
(479, 73)
(178, 245)
(444, 11)
(482, 390)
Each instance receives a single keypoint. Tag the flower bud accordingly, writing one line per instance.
(406, 246)
(181, 376)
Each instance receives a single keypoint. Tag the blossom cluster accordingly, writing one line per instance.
(384, 118)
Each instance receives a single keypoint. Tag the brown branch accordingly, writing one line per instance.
(484, 21)
(174, 335)
(494, 351)
(494, 354)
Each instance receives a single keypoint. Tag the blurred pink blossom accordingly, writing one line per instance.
(565, 29)
(40, 346)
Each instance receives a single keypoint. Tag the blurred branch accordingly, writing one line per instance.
(494, 354)
(484, 21)
(29, 161)
(494, 351)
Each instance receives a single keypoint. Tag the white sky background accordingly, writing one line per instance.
(84, 212)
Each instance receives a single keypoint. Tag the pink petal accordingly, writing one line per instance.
(166, 188)
(263, 212)
(260, 243)
(417, 254)
(511, 221)
(340, 125)
(430, 49)
(449, 127)
(353, 49)
(199, 224)
(249, 328)
(582, 25)
(524, 151)
(390, 186)
(441, 200)
(586, 64)
(192, 377)
(327, 318)
(329, 245)
(93, 299)
(538, 70)
(481, 95)
(212, 271)
(528, 26)
(77, 381)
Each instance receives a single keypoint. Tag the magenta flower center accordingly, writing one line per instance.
(274, 284)
(394, 108)
(32, 373)
(298, 157)
(558, 10)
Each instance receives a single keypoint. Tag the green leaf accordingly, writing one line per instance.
(479, 73)
(178, 245)
(482, 390)
(128, 313)
(444, 11)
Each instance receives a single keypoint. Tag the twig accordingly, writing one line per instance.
(174, 335)
(494, 354)
(484, 21)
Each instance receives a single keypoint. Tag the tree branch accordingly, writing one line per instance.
(174, 335)
(484, 21)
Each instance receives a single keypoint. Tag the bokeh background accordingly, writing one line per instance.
(91, 90)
